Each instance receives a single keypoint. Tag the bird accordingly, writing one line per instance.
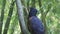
(35, 25)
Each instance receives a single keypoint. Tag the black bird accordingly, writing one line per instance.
(35, 24)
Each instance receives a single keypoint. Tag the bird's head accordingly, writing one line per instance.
(32, 12)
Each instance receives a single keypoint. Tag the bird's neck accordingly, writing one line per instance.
(31, 17)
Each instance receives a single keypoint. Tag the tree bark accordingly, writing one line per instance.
(21, 17)
(8, 18)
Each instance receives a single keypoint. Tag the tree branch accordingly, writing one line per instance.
(8, 18)
(2, 15)
(49, 7)
(21, 17)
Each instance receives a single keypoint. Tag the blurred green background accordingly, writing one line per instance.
(48, 12)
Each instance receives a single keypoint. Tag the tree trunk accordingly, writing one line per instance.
(25, 11)
(43, 15)
(21, 17)
(14, 23)
(8, 18)
(2, 15)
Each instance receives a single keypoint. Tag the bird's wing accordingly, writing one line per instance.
(36, 24)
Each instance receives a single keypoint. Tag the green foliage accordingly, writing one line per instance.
(52, 17)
